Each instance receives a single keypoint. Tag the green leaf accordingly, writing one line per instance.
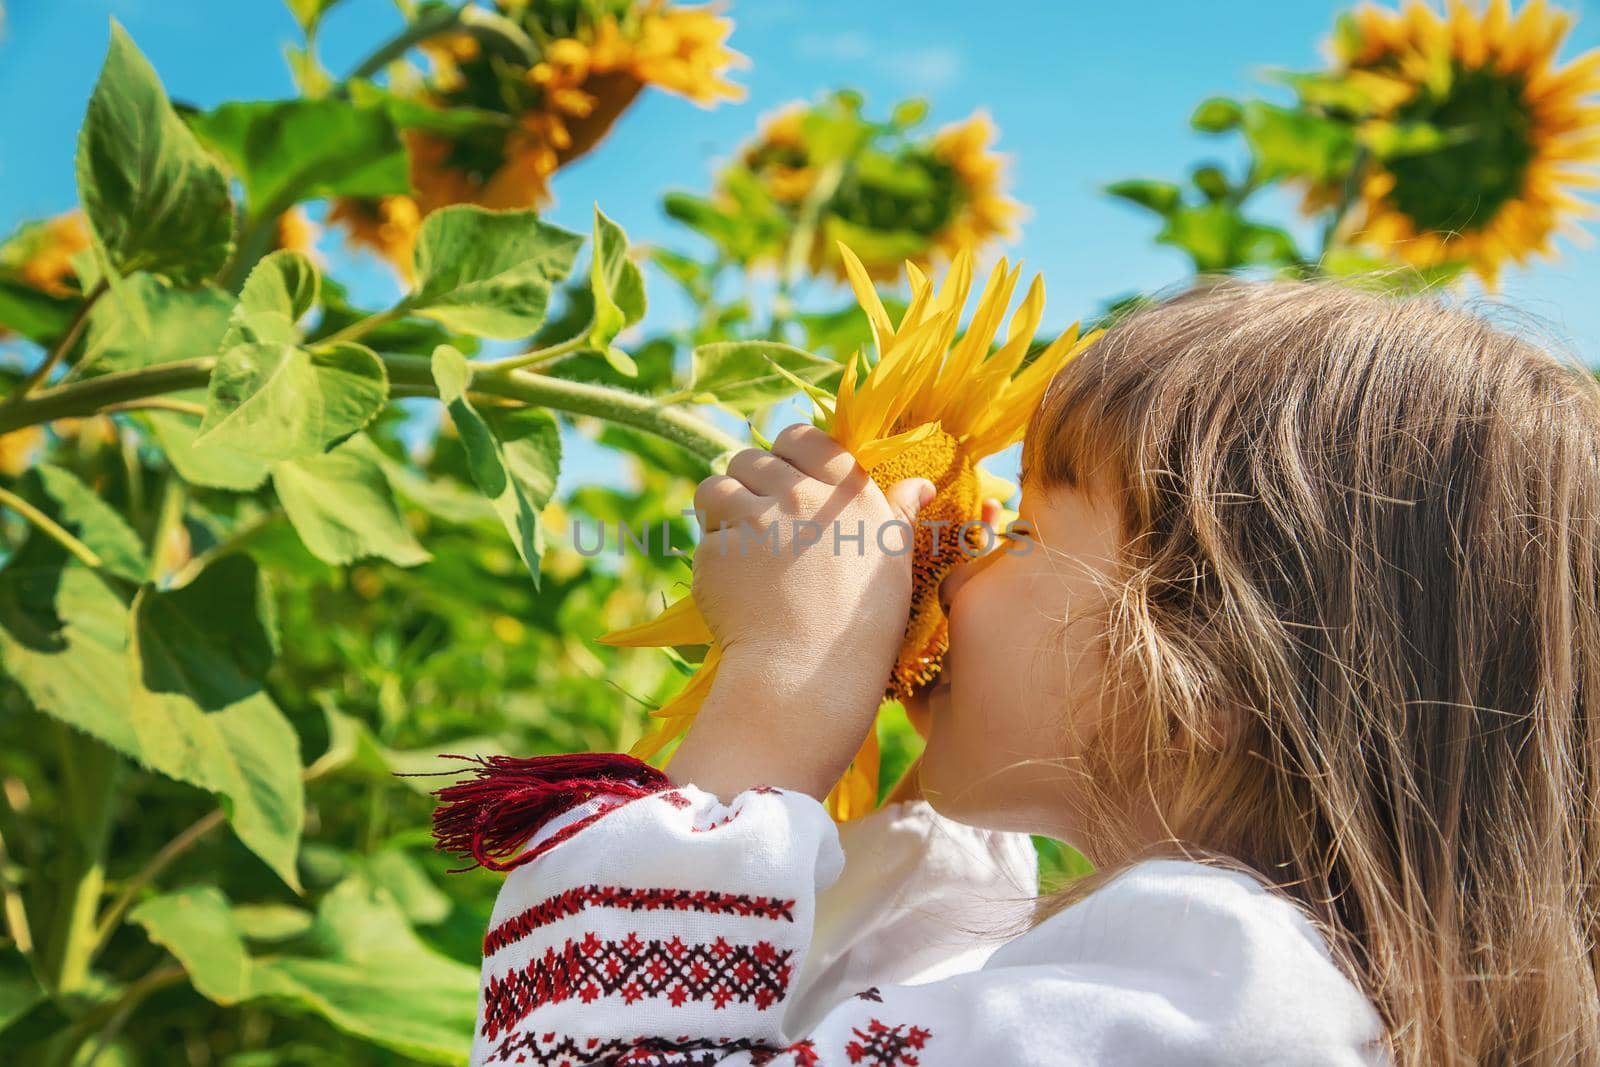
(354, 750)
(1291, 143)
(154, 198)
(371, 978)
(411, 114)
(285, 151)
(376, 980)
(342, 507)
(399, 872)
(513, 456)
(199, 653)
(94, 522)
(489, 273)
(65, 643)
(1160, 197)
(144, 322)
(270, 922)
(618, 289)
(1211, 181)
(20, 991)
(281, 402)
(738, 374)
(279, 292)
(197, 927)
(1216, 115)
(39, 317)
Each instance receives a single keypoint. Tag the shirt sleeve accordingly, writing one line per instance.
(921, 897)
(667, 928)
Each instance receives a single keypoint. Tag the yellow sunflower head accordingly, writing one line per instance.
(594, 60)
(890, 197)
(388, 226)
(934, 401)
(1518, 131)
(40, 255)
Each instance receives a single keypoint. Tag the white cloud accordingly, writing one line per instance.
(925, 69)
(921, 70)
(846, 47)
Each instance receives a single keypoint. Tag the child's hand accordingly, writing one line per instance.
(809, 620)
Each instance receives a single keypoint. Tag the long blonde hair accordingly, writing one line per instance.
(1356, 637)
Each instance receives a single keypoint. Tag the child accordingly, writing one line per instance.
(1296, 642)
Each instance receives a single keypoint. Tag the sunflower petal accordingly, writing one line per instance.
(679, 624)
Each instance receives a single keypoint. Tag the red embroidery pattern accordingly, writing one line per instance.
(559, 1050)
(719, 972)
(881, 1045)
(675, 798)
(575, 900)
(725, 820)
(801, 1053)
(565, 832)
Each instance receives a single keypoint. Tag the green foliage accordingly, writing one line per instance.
(489, 273)
(512, 456)
(289, 150)
(153, 196)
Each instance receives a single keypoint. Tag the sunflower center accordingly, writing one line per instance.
(906, 191)
(938, 546)
(1463, 185)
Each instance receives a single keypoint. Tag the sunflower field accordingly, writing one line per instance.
(268, 548)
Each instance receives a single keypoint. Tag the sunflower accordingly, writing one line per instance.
(592, 65)
(295, 232)
(40, 255)
(1517, 130)
(919, 199)
(932, 405)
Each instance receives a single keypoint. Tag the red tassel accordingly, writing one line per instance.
(489, 817)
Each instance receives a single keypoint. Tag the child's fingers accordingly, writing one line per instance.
(723, 501)
(811, 451)
(763, 473)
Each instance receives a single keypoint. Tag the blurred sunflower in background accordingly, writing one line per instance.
(40, 255)
(594, 57)
(1477, 139)
(834, 176)
(933, 403)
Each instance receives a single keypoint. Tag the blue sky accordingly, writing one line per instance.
(1083, 93)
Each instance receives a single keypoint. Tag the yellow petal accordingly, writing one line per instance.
(884, 449)
(680, 624)
(867, 296)
(687, 703)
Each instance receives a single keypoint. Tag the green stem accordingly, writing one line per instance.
(415, 374)
(187, 839)
(112, 916)
(63, 345)
(240, 536)
(362, 327)
(155, 403)
(539, 358)
(646, 413)
(90, 396)
(1347, 199)
(430, 24)
(255, 242)
(89, 772)
(51, 529)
